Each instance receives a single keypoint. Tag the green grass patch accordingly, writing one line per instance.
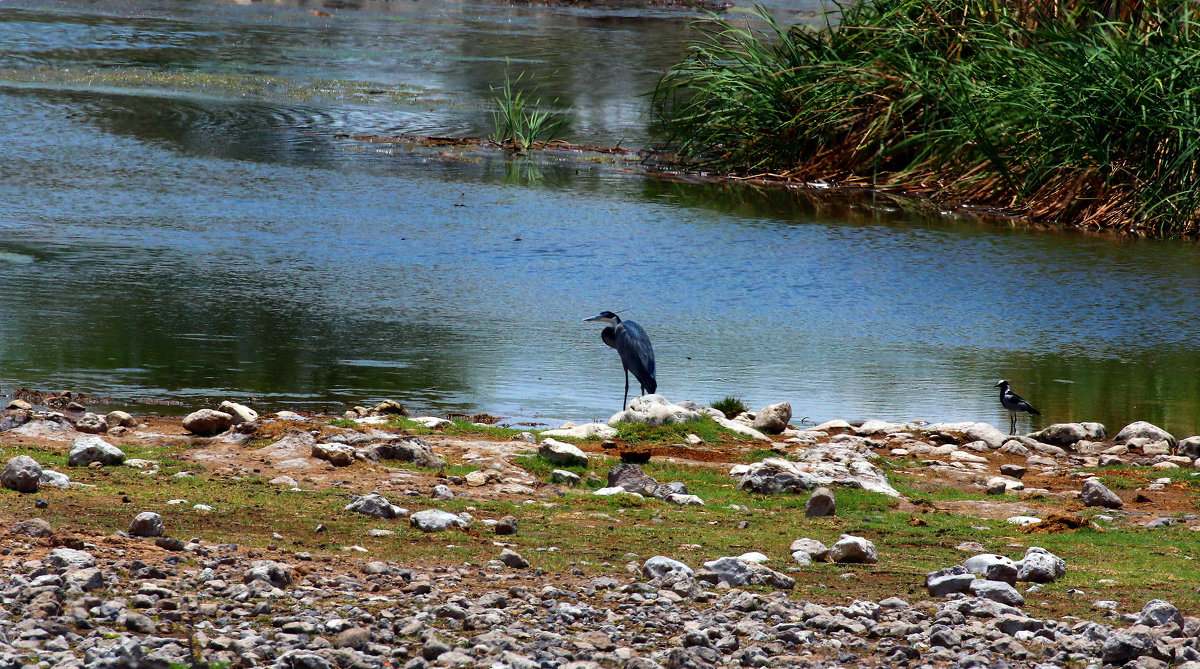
(760, 454)
(676, 433)
(730, 406)
(458, 427)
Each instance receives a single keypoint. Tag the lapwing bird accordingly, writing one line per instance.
(1013, 403)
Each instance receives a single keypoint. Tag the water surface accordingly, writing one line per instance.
(182, 217)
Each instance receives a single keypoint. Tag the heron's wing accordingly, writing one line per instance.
(636, 353)
(608, 337)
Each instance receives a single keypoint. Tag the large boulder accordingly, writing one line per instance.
(843, 463)
(86, 450)
(70, 558)
(374, 504)
(1143, 430)
(91, 423)
(950, 580)
(630, 477)
(277, 574)
(1065, 434)
(147, 524)
(21, 473)
(997, 591)
(32, 527)
(660, 565)
(738, 572)
(772, 419)
(814, 549)
(1188, 448)
(654, 410)
(1095, 493)
(776, 475)
(56, 479)
(338, 455)
(820, 503)
(1040, 566)
(585, 431)
(207, 423)
(120, 419)
(562, 453)
(1157, 613)
(436, 520)
(10, 419)
(851, 549)
(992, 567)
(407, 449)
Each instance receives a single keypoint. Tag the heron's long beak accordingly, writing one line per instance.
(596, 318)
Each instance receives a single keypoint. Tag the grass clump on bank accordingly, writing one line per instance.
(730, 406)
(1049, 110)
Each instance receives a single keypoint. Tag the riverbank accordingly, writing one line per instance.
(393, 539)
(1009, 106)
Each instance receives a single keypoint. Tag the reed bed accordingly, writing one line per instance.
(1077, 113)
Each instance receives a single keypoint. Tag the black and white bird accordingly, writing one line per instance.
(1013, 403)
(632, 344)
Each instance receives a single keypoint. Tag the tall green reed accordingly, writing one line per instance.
(519, 118)
(1064, 112)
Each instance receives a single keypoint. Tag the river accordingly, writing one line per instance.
(183, 217)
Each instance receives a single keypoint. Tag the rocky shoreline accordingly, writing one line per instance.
(134, 597)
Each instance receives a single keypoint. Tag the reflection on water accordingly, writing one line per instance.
(179, 219)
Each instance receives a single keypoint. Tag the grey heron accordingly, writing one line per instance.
(1013, 403)
(632, 344)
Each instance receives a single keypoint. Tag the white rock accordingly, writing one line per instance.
(852, 549)
(963, 456)
(207, 422)
(828, 425)
(86, 450)
(430, 422)
(561, 453)
(239, 412)
(585, 431)
(1022, 520)
(740, 428)
(654, 410)
(615, 490)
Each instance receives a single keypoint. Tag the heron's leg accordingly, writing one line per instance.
(1012, 422)
(625, 401)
